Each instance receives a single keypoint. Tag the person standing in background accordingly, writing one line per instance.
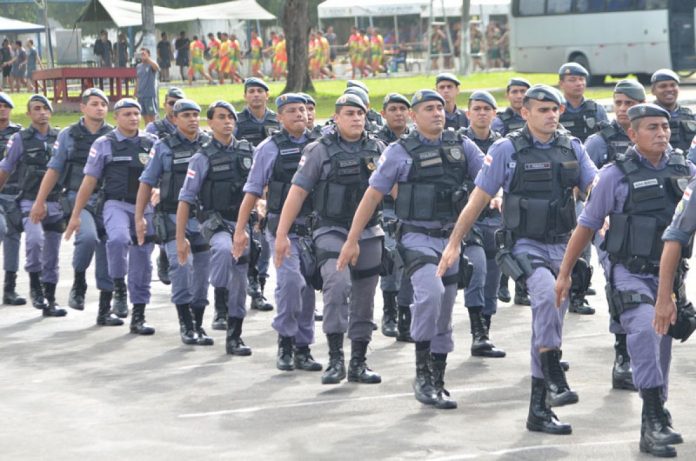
(121, 51)
(164, 57)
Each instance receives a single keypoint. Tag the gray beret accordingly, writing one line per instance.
(175, 92)
(254, 81)
(4, 97)
(183, 105)
(126, 103)
(447, 77)
(647, 110)
(517, 81)
(89, 92)
(395, 98)
(359, 93)
(483, 96)
(631, 88)
(426, 95)
(42, 99)
(357, 84)
(543, 93)
(662, 75)
(572, 68)
(224, 105)
(349, 99)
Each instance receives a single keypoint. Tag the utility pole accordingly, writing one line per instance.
(148, 13)
(43, 4)
(464, 55)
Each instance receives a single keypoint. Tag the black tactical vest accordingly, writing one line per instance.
(120, 179)
(483, 144)
(583, 123)
(457, 122)
(511, 120)
(254, 132)
(32, 163)
(616, 139)
(228, 168)
(163, 130)
(172, 180)
(540, 203)
(12, 183)
(634, 238)
(337, 196)
(387, 136)
(438, 183)
(683, 127)
(82, 139)
(284, 168)
(375, 117)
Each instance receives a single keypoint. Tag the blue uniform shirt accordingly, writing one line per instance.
(597, 148)
(14, 150)
(100, 153)
(161, 160)
(265, 156)
(152, 129)
(197, 172)
(499, 126)
(683, 223)
(62, 147)
(600, 112)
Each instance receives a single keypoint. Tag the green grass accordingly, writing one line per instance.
(327, 91)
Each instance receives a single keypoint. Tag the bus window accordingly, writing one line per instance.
(531, 7)
(559, 6)
(618, 5)
(589, 6)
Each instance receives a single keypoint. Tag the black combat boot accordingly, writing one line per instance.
(403, 324)
(521, 294)
(221, 298)
(258, 300)
(503, 291)
(558, 392)
(439, 363)
(481, 346)
(423, 387)
(655, 435)
(579, 305)
(120, 301)
(304, 360)
(540, 417)
(52, 309)
(163, 267)
(285, 361)
(138, 325)
(202, 338)
(318, 314)
(9, 295)
(36, 292)
(358, 371)
(188, 336)
(389, 327)
(336, 370)
(234, 345)
(621, 374)
(104, 315)
(76, 300)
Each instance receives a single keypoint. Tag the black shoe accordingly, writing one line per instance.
(36, 292)
(444, 402)
(138, 326)
(655, 435)
(578, 305)
(358, 371)
(104, 316)
(336, 369)
(52, 309)
(423, 388)
(285, 360)
(558, 392)
(119, 306)
(163, 267)
(76, 299)
(186, 331)
(621, 373)
(202, 338)
(304, 360)
(9, 295)
(234, 345)
(389, 323)
(403, 324)
(253, 288)
(260, 303)
(503, 291)
(521, 294)
(220, 319)
(590, 291)
(481, 346)
(540, 417)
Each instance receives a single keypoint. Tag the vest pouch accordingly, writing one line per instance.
(617, 234)
(538, 177)
(648, 189)
(336, 200)
(133, 184)
(642, 233)
(167, 186)
(423, 202)
(32, 181)
(536, 218)
(512, 211)
(689, 127)
(566, 219)
(277, 192)
(222, 195)
(570, 174)
(402, 204)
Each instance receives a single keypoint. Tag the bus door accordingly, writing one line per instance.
(682, 34)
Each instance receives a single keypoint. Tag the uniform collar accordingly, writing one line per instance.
(120, 136)
(576, 108)
(186, 140)
(427, 141)
(251, 114)
(644, 161)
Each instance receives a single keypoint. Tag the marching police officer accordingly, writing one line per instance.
(537, 167)
(117, 160)
(682, 122)
(581, 117)
(640, 191)
(275, 163)
(335, 170)
(215, 178)
(481, 295)
(66, 167)
(372, 116)
(255, 123)
(510, 119)
(10, 215)
(448, 86)
(370, 126)
(28, 153)
(431, 167)
(167, 170)
(311, 105)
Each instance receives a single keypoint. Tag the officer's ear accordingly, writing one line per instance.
(524, 112)
(561, 109)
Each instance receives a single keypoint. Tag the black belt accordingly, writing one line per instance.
(299, 229)
(437, 233)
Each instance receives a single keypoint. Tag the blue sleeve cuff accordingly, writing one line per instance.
(673, 234)
(303, 182)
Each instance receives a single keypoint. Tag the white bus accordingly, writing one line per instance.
(608, 37)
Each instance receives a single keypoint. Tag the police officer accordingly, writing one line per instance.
(275, 163)
(66, 167)
(255, 123)
(28, 152)
(372, 116)
(481, 295)
(311, 106)
(117, 160)
(395, 108)
(370, 126)
(448, 86)
(581, 117)
(432, 167)
(10, 215)
(510, 119)
(167, 170)
(537, 167)
(640, 191)
(215, 178)
(335, 170)
(665, 88)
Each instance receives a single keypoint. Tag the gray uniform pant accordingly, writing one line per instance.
(190, 281)
(42, 247)
(391, 282)
(474, 292)
(10, 240)
(226, 272)
(492, 283)
(88, 244)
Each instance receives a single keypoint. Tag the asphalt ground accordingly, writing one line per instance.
(72, 390)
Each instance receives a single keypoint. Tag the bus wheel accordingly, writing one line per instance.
(643, 78)
(592, 80)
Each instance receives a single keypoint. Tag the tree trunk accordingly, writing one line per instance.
(148, 13)
(296, 28)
